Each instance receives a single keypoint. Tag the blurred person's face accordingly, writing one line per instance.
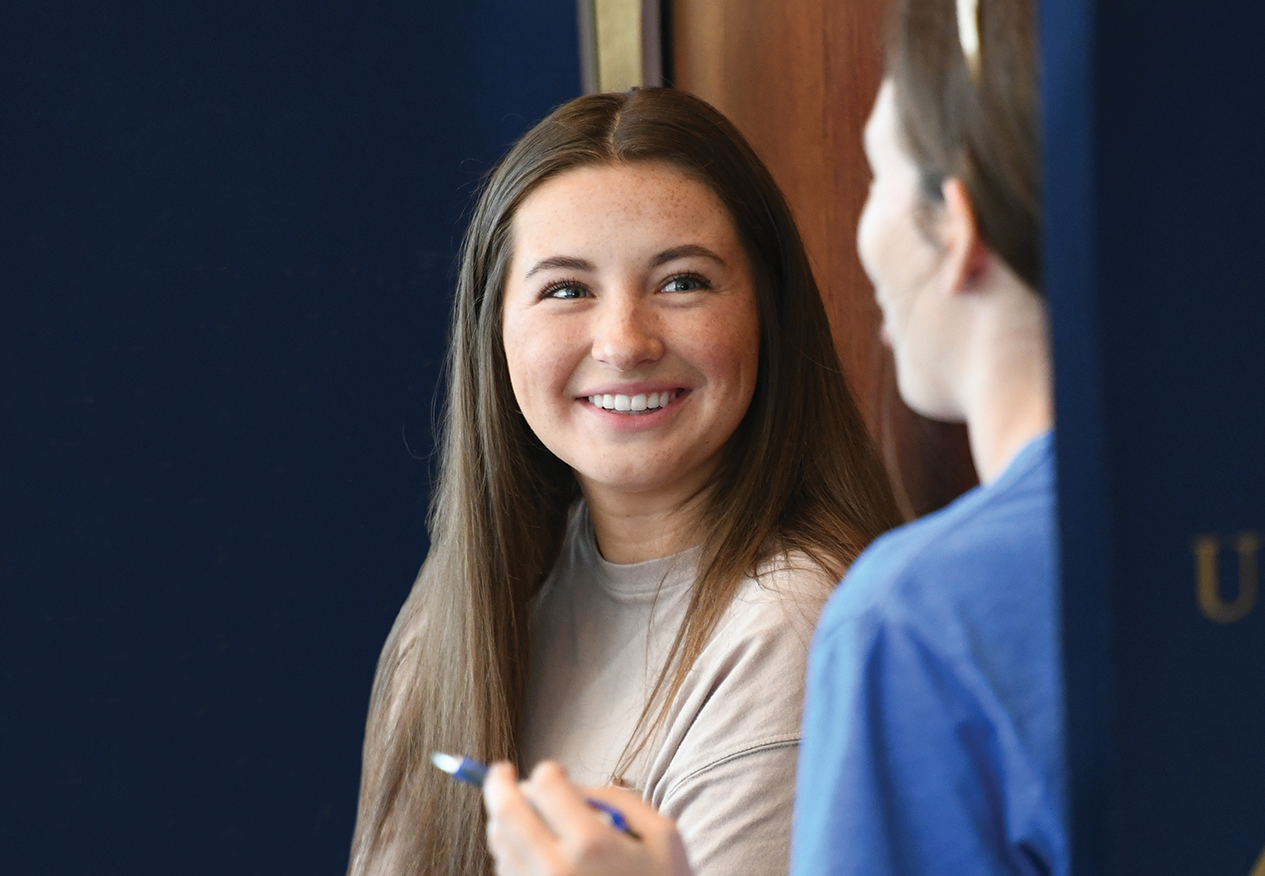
(900, 254)
(630, 326)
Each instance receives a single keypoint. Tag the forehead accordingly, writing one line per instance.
(603, 204)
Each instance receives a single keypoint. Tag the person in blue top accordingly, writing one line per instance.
(933, 725)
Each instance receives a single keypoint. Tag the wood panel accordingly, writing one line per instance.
(798, 78)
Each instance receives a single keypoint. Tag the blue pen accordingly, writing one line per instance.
(470, 771)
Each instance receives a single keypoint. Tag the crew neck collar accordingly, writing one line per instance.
(632, 580)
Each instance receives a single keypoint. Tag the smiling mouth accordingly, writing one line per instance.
(634, 404)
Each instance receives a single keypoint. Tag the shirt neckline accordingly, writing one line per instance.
(647, 578)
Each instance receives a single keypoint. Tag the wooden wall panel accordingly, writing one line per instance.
(798, 78)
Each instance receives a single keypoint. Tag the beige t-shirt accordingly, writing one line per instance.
(723, 765)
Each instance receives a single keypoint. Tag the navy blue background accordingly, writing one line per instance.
(226, 241)
(1155, 265)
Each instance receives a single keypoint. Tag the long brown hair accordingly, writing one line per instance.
(800, 473)
(982, 128)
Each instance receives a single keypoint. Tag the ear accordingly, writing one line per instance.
(965, 253)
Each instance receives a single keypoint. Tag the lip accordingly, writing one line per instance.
(644, 387)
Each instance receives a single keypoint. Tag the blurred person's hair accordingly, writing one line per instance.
(977, 120)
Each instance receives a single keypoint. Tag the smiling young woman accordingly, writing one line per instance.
(652, 475)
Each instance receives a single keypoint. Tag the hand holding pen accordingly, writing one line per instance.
(547, 825)
(470, 771)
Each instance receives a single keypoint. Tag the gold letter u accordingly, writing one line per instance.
(1207, 549)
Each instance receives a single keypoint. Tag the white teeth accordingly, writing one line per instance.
(632, 404)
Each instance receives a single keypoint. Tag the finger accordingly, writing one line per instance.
(585, 835)
(518, 839)
(640, 815)
(500, 787)
(505, 862)
(579, 841)
(658, 833)
(561, 804)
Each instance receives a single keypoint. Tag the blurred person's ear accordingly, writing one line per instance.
(965, 253)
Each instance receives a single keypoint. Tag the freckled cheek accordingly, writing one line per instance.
(540, 367)
(732, 356)
(524, 368)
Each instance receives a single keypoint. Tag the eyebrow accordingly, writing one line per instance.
(684, 251)
(572, 263)
(567, 262)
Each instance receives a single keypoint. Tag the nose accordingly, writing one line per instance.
(627, 333)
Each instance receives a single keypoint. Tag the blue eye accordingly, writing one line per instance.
(686, 283)
(565, 291)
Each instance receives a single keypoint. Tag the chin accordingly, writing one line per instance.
(623, 481)
(922, 400)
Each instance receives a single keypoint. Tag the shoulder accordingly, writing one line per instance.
(745, 689)
(941, 644)
(759, 648)
(784, 596)
(991, 552)
(725, 766)
(743, 695)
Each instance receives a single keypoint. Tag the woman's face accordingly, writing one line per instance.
(630, 326)
(903, 261)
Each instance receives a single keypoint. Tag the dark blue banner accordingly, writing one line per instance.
(226, 239)
(1156, 254)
